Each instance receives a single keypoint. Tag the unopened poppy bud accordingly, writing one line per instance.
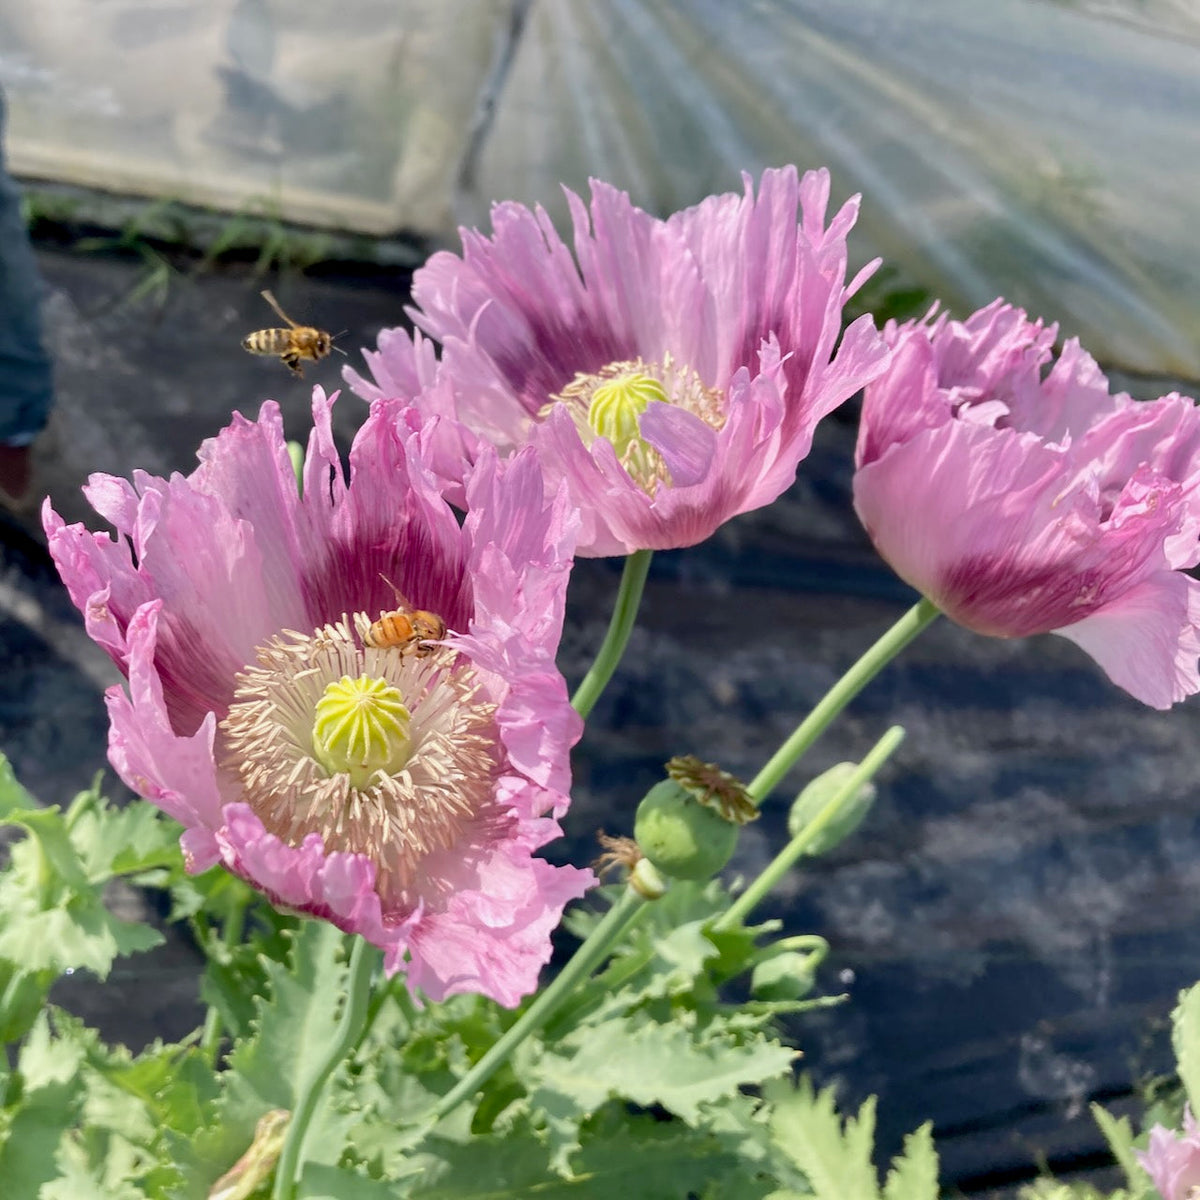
(787, 976)
(812, 801)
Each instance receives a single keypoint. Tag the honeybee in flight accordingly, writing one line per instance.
(290, 345)
(405, 628)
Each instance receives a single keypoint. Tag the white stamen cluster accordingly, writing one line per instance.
(442, 796)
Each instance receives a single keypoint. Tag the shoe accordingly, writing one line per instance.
(16, 477)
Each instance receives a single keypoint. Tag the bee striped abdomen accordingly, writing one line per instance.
(268, 341)
(392, 629)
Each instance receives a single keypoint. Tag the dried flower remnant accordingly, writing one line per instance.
(619, 853)
(398, 795)
(709, 785)
(671, 372)
(257, 1165)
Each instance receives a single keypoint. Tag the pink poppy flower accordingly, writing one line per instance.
(1022, 502)
(396, 790)
(672, 372)
(1173, 1161)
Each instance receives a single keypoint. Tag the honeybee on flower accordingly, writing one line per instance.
(405, 628)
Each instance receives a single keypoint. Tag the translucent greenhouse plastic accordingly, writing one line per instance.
(1048, 151)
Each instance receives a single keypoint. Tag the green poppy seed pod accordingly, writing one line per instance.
(812, 801)
(682, 837)
(787, 976)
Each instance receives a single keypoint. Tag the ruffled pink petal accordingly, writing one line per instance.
(511, 510)
(687, 444)
(449, 451)
(520, 537)
(390, 525)
(1163, 435)
(972, 502)
(996, 351)
(176, 773)
(748, 251)
(201, 849)
(496, 939)
(199, 555)
(1070, 401)
(116, 500)
(905, 401)
(994, 532)
(403, 366)
(206, 566)
(324, 486)
(248, 469)
(862, 355)
(1148, 639)
(98, 575)
(337, 887)
(520, 542)
(538, 727)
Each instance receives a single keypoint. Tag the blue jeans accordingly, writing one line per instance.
(26, 384)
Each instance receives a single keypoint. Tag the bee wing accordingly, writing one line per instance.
(270, 299)
(402, 600)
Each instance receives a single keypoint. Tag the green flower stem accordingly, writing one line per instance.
(363, 960)
(876, 658)
(389, 989)
(231, 935)
(629, 596)
(589, 955)
(786, 858)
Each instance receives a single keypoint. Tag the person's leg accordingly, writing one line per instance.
(26, 384)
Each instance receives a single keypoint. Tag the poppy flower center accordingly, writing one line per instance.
(393, 756)
(360, 727)
(617, 404)
(610, 404)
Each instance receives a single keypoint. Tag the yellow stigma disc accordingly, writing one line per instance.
(360, 727)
